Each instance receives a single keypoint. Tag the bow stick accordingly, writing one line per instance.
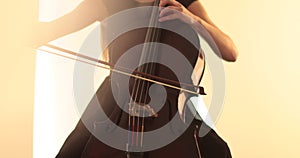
(124, 71)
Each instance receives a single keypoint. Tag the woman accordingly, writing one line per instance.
(81, 142)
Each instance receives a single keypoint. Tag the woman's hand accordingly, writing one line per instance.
(194, 15)
(174, 10)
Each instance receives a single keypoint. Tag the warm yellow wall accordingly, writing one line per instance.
(261, 113)
(17, 78)
(260, 116)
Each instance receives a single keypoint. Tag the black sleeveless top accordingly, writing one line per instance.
(114, 6)
(186, 3)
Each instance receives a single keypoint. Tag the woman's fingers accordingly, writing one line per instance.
(174, 10)
(169, 14)
(168, 17)
(168, 10)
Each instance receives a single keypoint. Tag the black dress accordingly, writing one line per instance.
(81, 142)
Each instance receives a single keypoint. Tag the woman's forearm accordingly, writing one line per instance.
(224, 43)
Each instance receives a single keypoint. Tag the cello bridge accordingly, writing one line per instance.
(139, 110)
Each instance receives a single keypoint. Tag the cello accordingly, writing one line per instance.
(143, 115)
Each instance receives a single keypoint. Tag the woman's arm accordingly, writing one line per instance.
(198, 14)
(83, 15)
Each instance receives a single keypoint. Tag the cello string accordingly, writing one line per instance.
(141, 84)
(152, 50)
(145, 53)
(136, 90)
(147, 91)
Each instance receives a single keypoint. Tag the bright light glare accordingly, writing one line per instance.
(55, 113)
